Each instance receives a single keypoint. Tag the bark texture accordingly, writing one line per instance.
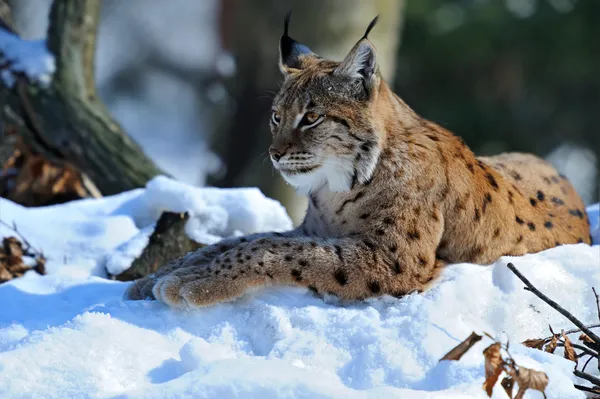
(66, 122)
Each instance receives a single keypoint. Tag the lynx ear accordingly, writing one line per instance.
(361, 62)
(290, 51)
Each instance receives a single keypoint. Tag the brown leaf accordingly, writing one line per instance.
(40, 265)
(529, 379)
(508, 384)
(5, 275)
(584, 338)
(12, 247)
(493, 366)
(569, 351)
(551, 347)
(18, 268)
(40, 182)
(537, 343)
(12, 260)
(458, 351)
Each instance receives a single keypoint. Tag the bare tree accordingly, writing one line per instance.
(66, 122)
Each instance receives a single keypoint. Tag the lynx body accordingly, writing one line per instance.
(393, 197)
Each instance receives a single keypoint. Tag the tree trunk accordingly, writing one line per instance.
(66, 122)
(251, 31)
(167, 242)
(6, 21)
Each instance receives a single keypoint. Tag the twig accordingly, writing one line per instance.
(587, 362)
(23, 239)
(587, 389)
(555, 305)
(573, 331)
(597, 302)
(581, 348)
(586, 376)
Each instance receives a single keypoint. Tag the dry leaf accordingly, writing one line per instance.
(508, 384)
(19, 268)
(551, 347)
(569, 351)
(40, 265)
(12, 246)
(529, 379)
(37, 181)
(537, 343)
(584, 338)
(11, 260)
(5, 275)
(493, 366)
(458, 351)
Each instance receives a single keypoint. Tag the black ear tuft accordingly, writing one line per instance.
(361, 62)
(369, 28)
(289, 49)
(286, 22)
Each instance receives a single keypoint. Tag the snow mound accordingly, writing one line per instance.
(109, 233)
(69, 334)
(30, 57)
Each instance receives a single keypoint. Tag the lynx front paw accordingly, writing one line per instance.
(193, 288)
(141, 289)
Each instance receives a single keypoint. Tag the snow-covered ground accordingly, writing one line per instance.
(70, 334)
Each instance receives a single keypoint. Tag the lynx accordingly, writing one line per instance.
(393, 198)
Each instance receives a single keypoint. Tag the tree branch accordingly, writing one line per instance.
(586, 376)
(555, 305)
(66, 123)
(597, 302)
(587, 389)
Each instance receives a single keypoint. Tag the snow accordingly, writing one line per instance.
(70, 334)
(30, 57)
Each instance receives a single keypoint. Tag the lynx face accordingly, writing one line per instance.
(321, 118)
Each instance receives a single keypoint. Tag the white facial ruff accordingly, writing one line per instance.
(336, 173)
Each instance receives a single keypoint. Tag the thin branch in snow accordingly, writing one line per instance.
(554, 305)
(586, 376)
(23, 239)
(597, 301)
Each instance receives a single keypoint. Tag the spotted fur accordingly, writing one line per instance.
(393, 197)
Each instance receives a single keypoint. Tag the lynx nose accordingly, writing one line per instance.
(275, 154)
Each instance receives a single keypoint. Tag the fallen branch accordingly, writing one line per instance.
(588, 377)
(587, 389)
(590, 341)
(585, 351)
(554, 305)
(597, 302)
(587, 362)
(574, 331)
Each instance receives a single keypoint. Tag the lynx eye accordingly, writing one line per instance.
(275, 117)
(311, 119)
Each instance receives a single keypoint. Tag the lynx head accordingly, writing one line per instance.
(322, 117)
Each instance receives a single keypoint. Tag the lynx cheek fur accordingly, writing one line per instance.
(393, 197)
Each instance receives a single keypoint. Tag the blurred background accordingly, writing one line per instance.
(192, 81)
